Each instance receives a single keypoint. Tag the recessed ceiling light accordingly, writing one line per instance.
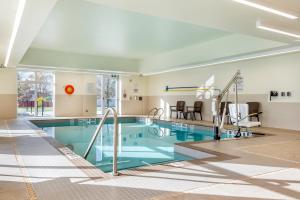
(267, 9)
(13, 36)
(258, 25)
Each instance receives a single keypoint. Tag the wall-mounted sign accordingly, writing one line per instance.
(69, 89)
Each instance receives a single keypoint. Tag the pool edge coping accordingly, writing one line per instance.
(85, 166)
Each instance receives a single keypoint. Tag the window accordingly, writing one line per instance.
(35, 93)
(107, 92)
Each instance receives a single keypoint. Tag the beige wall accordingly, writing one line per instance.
(82, 102)
(133, 86)
(260, 76)
(8, 93)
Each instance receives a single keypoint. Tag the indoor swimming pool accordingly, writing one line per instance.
(140, 142)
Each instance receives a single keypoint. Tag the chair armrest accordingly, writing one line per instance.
(172, 106)
(253, 114)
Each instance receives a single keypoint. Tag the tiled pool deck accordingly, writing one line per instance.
(34, 167)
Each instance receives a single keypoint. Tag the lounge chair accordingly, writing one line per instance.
(179, 108)
(197, 108)
(243, 117)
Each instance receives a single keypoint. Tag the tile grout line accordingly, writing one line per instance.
(31, 195)
(216, 184)
(29, 187)
(259, 145)
(263, 155)
(243, 179)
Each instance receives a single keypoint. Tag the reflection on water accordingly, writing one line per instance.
(139, 143)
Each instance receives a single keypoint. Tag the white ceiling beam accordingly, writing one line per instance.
(231, 59)
(34, 15)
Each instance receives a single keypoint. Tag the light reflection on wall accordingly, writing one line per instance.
(166, 106)
(204, 93)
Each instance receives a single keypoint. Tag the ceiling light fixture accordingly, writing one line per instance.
(267, 9)
(17, 22)
(258, 25)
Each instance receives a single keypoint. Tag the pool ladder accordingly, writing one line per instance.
(156, 112)
(115, 142)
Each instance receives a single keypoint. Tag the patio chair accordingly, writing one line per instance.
(197, 108)
(179, 108)
(222, 106)
(254, 108)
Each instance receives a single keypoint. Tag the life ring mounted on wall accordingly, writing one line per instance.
(69, 89)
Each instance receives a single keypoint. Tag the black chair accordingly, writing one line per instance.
(222, 106)
(254, 108)
(179, 108)
(197, 108)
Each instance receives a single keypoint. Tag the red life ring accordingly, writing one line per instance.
(69, 89)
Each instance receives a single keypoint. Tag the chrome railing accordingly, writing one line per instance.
(156, 112)
(115, 139)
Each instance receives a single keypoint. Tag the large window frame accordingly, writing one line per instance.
(39, 91)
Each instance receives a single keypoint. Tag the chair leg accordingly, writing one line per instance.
(201, 116)
(185, 115)
(257, 118)
(176, 115)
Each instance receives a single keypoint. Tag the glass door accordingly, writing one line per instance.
(35, 93)
(107, 92)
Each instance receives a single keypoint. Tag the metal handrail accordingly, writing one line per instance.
(151, 111)
(115, 142)
(156, 110)
(159, 116)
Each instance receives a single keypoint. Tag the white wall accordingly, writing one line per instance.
(260, 76)
(82, 102)
(8, 93)
(279, 73)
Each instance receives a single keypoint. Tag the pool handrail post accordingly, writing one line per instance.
(115, 139)
(156, 111)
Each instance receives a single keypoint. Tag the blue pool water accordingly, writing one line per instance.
(140, 143)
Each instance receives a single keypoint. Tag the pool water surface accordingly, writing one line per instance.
(140, 143)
